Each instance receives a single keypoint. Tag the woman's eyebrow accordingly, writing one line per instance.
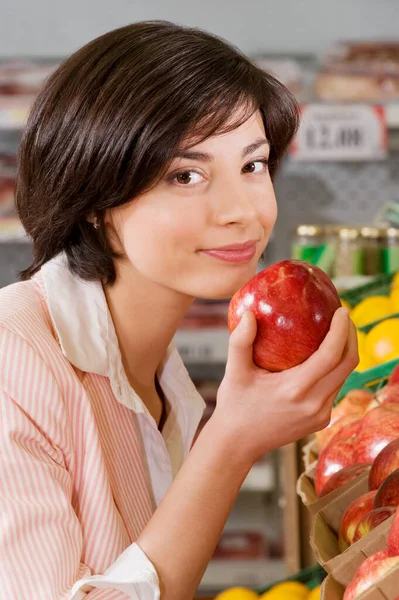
(206, 157)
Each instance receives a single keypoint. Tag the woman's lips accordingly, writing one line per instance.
(236, 253)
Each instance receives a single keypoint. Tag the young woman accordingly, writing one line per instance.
(144, 182)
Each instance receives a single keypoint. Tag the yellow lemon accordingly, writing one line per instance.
(315, 593)
(394, 297)
(238, 593)
(365, 362)
(288, 590)
(382, 341)
(361, 341)
(395, 281)
(371, 309)
(346, 304)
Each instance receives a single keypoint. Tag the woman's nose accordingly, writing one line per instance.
(234, 205)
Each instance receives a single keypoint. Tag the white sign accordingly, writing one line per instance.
(335, 132)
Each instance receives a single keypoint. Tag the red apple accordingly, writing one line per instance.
(388, 492)
(371, 520)
(343, 476)
(352, 516)
(371, 570)
(384, 463)
(355, 402)
(393, 540)
(380, 426)
(293, 302)
(330, 432)
(389, 393)
(394, 378)
(337, 455)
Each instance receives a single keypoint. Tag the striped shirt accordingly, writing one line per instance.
(82, 462)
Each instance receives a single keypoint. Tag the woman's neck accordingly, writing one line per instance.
(145, 316)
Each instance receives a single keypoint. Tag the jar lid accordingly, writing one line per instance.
(392, 232)
(309, 230)
(348, 233)
(370, 232)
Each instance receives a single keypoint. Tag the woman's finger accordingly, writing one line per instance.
(239, 358)
(327, 357)
(332, 383)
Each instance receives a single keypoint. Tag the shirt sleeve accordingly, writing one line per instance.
(41, 538)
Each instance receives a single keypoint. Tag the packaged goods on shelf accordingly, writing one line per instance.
(23, 76)
(344, 251)
(206, 313)
(353, 71)
(239, 545)
(313, 244)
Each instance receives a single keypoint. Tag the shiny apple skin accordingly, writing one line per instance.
(371, 570)
(380, 427)
(388, 492)
(384, 464)
(352, 516)
(375, 517)
(343, 476)
(336, 455)
(293, 302)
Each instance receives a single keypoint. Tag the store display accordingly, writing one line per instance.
(350, 253)
(22, 76)
(314, 244)
(342, 477)
(390, 250)
(352, 516)
(384, 464)
(388, 492)
(371, 570)
(353, 71)
(293, 304)
(241, 545)
(372, 242)
(393, 539)
(371, 520)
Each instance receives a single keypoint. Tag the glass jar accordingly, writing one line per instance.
(350, 257)
(390, 250)
(310, 244)
(372, 240)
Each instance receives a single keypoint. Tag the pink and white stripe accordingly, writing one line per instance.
(74, 491)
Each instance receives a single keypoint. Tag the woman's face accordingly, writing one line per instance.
(217, 193)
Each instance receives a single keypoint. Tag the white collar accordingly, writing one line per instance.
(88, 340)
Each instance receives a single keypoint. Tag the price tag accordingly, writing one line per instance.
(341, 132)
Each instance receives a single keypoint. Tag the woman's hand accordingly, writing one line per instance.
(264, 410)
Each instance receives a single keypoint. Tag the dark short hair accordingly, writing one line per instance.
(108, 122)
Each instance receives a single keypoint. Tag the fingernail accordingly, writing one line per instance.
(345, 312)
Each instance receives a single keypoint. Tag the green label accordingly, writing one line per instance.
(390, 259)
(322, 255)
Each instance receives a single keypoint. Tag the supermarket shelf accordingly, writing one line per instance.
(258, 573)
(261, 478)
(207, 346)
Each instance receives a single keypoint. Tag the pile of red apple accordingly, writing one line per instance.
(364, 435)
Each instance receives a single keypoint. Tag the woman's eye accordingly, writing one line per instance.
(187, 178)
(256, 166)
